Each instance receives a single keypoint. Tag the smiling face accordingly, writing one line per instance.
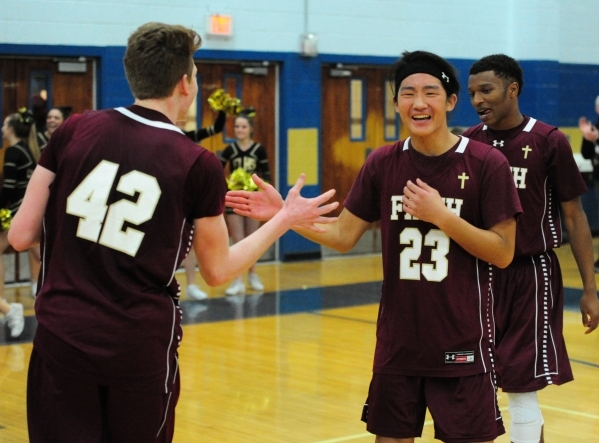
(422, 104)
(242, 129)
(494, 100)
(53, 120)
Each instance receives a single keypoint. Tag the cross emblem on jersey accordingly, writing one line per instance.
(526, 150)
(463, 177)
(444, 77)
(498, 143)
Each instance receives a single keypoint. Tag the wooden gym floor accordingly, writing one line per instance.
(293, 364)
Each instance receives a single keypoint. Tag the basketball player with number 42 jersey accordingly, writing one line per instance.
(121, 195)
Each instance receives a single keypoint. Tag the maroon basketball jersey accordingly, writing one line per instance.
(545, 174)
(118, 223)
(435, 316)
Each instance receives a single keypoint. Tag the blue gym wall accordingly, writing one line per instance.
(553, 39)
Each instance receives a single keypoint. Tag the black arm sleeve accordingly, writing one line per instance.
(216, 128)
(191, 135)
(587, 149)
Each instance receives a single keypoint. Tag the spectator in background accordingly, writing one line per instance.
(56, 116)
(20, 160)
(250, 156)
(590, 151)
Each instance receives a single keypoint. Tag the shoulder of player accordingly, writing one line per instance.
(473, 130)
(483, 152)
(475, 146)
(540, 128)
(206, 157)
(387, 150)
(548, 136)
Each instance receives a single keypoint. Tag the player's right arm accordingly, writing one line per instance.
(341, 235)
(26, 228)
(220, 263)
(581, 243)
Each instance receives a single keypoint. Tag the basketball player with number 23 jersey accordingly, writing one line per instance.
(447, 207)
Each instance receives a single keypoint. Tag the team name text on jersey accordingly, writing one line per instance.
(453, 204)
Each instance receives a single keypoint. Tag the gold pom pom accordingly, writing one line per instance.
(232, 106)
(241, 180)
(5, 219)
(217, 99)
(220, 100)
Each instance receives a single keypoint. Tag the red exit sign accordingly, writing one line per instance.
(220, 25)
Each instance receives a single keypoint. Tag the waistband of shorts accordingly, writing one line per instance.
(527, 259)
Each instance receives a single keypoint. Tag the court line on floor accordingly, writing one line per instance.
(587, 363)
(341, 317)
(569, 411)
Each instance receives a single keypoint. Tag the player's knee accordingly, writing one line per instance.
(526, 418)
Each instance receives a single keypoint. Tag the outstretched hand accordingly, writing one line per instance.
(589, 131)
(260, 206)
(266, 203)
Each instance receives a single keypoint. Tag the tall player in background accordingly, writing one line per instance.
(120, 192)
(447, 208)
(529, 293)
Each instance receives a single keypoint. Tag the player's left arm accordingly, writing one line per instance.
(581, 243)
(26, 227)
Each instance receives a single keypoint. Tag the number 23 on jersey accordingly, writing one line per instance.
(409, 268)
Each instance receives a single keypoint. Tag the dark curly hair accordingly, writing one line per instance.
(504, 67)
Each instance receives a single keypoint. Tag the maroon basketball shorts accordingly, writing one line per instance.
(529, 309)
(464, 409)
(63, 409)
